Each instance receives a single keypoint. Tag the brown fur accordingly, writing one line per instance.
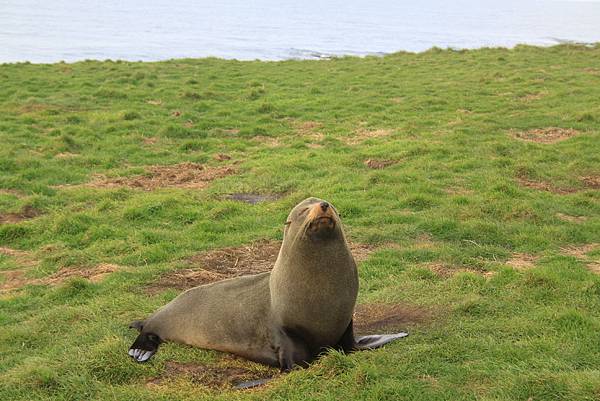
(308, 297)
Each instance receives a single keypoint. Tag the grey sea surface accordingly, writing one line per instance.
(44, 31)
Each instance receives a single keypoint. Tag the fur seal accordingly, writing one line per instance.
(283, 318)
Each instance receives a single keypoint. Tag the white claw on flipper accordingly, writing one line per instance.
(144, 356)
(131, 352)
(377, 341)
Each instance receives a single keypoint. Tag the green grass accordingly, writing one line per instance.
(508, 335)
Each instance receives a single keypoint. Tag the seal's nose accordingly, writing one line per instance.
(324, 206)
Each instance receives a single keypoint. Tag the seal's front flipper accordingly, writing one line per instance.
(144, 346)
(376, 341)
(293, 351)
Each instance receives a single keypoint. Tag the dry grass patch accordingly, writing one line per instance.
(221, 264)
(522, 261)
(268, 141)
(544, 186)
(533, 96)
(570, 218)
(377, 164)
(66, 155)
(592, 70)
(591, 181)
(217, 376)
(149, 140)
(183, 175)
(221, 157)
(580, 252)
(16, 279)
(445, 270)
(363, 134)
(545, 135)
(26, 213)
(22, 258)
(378, 318)
(308, 130)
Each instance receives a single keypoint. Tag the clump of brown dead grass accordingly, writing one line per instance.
(377, 164)
(545, 135)
(544, 186)
(362, 135)
(221, 264)
(216, 376)
(26, 213)
(16, 279)
(522, 261)
(183, 175)
(591, 181)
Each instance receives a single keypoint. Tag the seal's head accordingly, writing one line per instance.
(313, 218)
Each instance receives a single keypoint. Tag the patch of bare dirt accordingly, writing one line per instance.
(149, 140)
(363, 134)
(522, 261)
(94, 274)
(253, 198)
(545, 135)
(15, 279)
(26, 213)
(591, 181)
(544, 186)
(176, 113)
(579, 251)
(379, 163)
(217, 376)
(378, 318)
(221, 264)
(183, 175)
(570, 218)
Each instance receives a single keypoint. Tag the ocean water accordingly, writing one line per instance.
(71, 30)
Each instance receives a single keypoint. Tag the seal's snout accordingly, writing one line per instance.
(321, 217)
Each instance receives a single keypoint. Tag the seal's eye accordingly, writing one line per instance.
(303, 211)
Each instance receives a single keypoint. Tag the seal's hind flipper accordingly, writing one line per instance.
(137, 324)
(376, 341)
(251, 384)
(144, 346)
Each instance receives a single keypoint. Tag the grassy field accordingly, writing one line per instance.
(468, 182)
